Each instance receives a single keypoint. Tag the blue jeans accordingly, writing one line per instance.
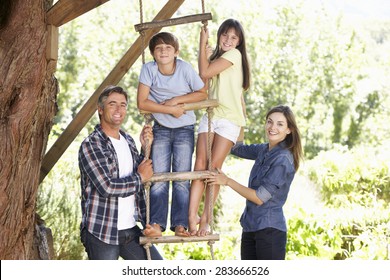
(265, 244)
(128, 248)
(172, 151)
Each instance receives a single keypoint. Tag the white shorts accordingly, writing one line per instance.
(222, 127)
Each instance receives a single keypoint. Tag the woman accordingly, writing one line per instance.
(264, 232)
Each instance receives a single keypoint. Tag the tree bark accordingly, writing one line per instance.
(28, 92)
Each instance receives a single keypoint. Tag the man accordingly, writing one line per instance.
(112, 193)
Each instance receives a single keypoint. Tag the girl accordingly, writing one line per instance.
(228, 70)
(264, 233)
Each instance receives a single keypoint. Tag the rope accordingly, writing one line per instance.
(204, 22)
(148, 120)
(209, 139)
(209, 186)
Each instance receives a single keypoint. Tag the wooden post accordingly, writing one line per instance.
(89, 108)
(173, 21)
(66, 10)
(52, 43)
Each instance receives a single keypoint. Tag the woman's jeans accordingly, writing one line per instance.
(128, 248)
(265, 244)
(172, 151)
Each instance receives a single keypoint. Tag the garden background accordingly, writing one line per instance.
(328, 60)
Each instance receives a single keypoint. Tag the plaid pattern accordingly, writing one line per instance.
(101, 185)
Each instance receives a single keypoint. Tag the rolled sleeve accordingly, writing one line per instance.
(263, 194)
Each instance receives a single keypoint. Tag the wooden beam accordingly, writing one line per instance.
(89, 108)
(177, 239)
(173, 21)
(210, 103)
(179, 176)
(52, 43)
(66, 10)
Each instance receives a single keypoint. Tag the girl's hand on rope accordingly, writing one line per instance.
(204, 37)
(218, 178)
(146, 137)
(145, 170)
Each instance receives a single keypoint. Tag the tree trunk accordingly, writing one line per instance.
(28, 92)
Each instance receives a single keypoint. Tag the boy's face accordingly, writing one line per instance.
(164, 54)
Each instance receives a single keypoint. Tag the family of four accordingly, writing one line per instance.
(113, 170)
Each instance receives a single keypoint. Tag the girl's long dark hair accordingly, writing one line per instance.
(292, 140)
(236, 25)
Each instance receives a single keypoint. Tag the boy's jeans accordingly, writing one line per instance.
(172, 151)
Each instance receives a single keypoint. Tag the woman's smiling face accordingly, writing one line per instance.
(276, 128)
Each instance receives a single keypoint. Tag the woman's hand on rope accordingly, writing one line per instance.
(218, 178)
(145, 170)
(146, 137)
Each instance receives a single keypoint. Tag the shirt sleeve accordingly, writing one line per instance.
(274, 177)
(247, 151)
(146, 74)
(95, 162)
(193, 78)
(233, 55)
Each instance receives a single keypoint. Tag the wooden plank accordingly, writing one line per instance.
(66, 10)
(177, 239)
(210, 103)
(179, 176)
(89, 108)
(52, 43)
(173, 21)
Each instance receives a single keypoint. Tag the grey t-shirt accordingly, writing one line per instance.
(164, 87)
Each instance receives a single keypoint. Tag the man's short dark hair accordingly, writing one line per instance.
(108, 91)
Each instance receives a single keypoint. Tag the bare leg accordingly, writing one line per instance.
(220, 149)
(197, 186)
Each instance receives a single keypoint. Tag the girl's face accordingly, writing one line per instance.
(276, 128)
(229, 40)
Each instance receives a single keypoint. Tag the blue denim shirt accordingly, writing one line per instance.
(271, 177)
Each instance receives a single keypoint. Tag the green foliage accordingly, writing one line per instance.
(334, 76)
(58, 204)
(352, 176)
(355, 185)
(363, 111)
(310, 236)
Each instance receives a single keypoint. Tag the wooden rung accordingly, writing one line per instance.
(177, 239)
(209, 103)
(179, 176)
(173, 21)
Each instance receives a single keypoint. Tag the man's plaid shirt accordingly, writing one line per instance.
(101, 185)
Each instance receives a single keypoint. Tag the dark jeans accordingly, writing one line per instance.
(265, 244)
(128, 248)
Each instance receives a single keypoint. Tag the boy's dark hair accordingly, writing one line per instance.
(163, 38)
